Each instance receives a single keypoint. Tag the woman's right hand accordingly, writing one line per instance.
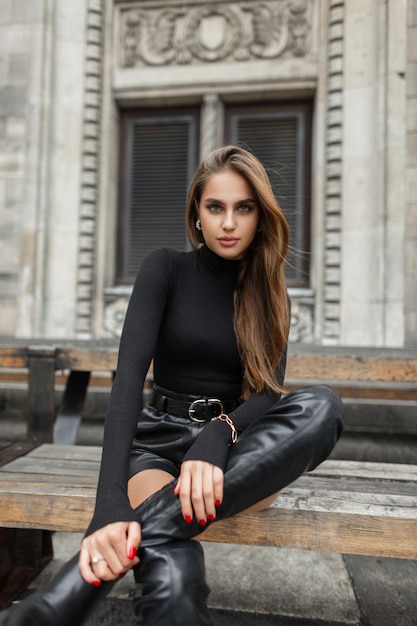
(110, 552)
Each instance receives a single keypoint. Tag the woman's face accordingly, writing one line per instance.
(229, 214)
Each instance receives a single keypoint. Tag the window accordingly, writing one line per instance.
(159, 153)
(279, 135)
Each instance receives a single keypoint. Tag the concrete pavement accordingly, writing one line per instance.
(272, 586)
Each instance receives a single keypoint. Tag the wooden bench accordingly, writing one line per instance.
(343, 506)
(364, 373)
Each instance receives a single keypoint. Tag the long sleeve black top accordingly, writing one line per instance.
(180, 315)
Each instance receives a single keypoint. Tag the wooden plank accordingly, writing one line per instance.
(69, 452)
(14, 450)
(341, 533)
(51, 467)
(61, 510)
(362, 503)
(294, 498)
(391, 498)
(352, 485)
(331, 467)
(388, 390)
(13, 356)
(365, 469)
(340, 367)
(93, 359)
(9, 481)
(309, 530)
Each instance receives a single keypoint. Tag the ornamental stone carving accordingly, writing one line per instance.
(213, 32)
(114, 316)
(302, 323)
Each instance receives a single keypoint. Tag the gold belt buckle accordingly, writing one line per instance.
(207, 402)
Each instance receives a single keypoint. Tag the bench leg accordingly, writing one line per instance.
(41, 394)
(69, 415)
(23, 555)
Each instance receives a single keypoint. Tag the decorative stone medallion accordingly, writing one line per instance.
(196, 33)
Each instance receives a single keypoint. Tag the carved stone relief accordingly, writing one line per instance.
(89, 161)
(333, 172)
(302, 322)
(114, 316)
(213, 32)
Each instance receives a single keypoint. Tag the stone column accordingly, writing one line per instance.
(411, 180)
(66, 124)
(373, 181)
(393, 88)
(210, 124)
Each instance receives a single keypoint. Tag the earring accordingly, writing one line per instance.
(198, 224)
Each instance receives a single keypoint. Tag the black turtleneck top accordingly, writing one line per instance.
(180, 315)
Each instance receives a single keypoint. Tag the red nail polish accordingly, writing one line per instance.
(218, 503)
(210, 518)
(96, 583)
(122, 574)
(202, 522)
(132, 553)
(188, 519)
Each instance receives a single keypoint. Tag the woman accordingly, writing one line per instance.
(217, 437)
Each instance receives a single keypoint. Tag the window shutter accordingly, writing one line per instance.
(160, 158)
(279, 138)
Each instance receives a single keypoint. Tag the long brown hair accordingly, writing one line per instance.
(261, 312)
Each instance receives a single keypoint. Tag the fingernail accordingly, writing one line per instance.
(202, 522)
(132, 553)
(122, 574)
(218, 503)
(210, 518)
(188, 519)
(96, 583)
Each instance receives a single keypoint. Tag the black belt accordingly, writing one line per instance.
(196, 408)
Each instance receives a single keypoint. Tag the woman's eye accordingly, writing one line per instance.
(214, 208)
(245, 208)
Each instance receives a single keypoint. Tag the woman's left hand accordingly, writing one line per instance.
(200, 489)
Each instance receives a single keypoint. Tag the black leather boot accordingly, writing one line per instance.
(295, 435)
(174, 590)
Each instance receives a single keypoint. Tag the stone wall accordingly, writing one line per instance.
(66, 68)
(20, 53)
(41, 112)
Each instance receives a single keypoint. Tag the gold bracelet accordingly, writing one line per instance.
(225, 418)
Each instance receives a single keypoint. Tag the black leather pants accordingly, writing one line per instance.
(295, 435)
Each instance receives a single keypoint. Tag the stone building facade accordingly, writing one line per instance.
(70, 70)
